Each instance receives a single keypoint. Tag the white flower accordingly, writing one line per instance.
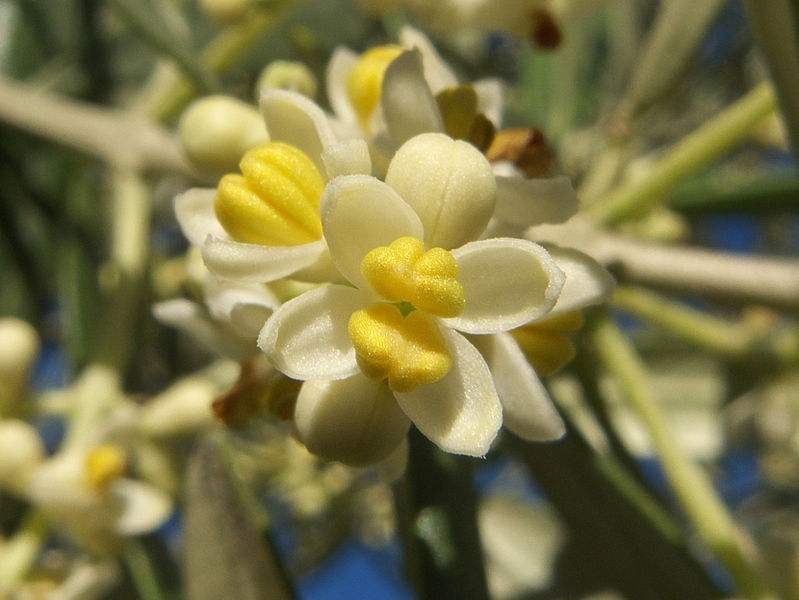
(83, 491)
(371, 368)
(264, 225)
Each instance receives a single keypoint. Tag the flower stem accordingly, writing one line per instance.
(169, 94)
(437, 511)
(694, 152)
(703, 507)
(705, 330)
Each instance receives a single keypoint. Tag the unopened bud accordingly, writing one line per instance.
(19, 347)
(225, 11)
(21, 451)
(288, 75)
(216, 131)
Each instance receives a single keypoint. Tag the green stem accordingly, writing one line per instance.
(168, 95)
(19, 552)
(111, 135)
(437, 508)
(705, 330)
(99, 386)
(703, 507)
(694, 152)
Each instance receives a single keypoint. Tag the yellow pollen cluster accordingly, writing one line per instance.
(408, 351)
(275, 201)
(104, 464)
(366, 79)
(404, 272)
(546, 345)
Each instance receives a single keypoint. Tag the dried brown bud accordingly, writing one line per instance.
(257, 393)
(525, 148)
(545, 32)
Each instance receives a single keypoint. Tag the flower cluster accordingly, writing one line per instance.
(389, 208)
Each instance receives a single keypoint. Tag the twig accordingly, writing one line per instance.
(698, 498)
(117, 137)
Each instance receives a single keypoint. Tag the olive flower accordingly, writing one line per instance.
(392, 348)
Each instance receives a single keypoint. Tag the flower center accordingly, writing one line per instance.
(104, 464)
(408, 351)
(404, 272)
(365, 80)
(275, 201)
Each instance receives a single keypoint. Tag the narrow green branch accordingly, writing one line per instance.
(703, 329)
(696, 151)
(114, 136)
(696, 495)
(171, 91)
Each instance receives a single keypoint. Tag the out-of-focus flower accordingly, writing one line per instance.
(83, 491)
(216, 130)
(19, 347)
(388, 350)
(225, 11)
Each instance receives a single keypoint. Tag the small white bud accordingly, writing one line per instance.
(19, 347)
(287, 75)
(21, 451)
(183, 408)
(216, 131)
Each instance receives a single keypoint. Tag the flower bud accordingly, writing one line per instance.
(450, 185)
(19, 347)
(288, 75)
(224, 11)
(21, 451)
(215, 131)
(184, 408)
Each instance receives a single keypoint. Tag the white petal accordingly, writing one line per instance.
(143, 507)
(490, 99)
(406, 100)
(355, 421)
(338, 69)
(461, 413)
(360, 213)
(194, 210)
(191, 319)
(436, 70)
(247, 306)
(526, 407)
(507, 283)
(307, 337)
(233, 260)
(527, 202)
(350, 157)
(294, 119)
(587, 282)
(450, 185)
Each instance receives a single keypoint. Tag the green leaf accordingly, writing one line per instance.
(225, 556)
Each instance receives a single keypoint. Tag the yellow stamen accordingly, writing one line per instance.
(404, 272)
(104, 464)
(409, 351)
(275, 201)
(545, 345)
(365, 80)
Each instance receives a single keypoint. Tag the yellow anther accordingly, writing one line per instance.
(404, 272)
(104, 464)
(545, 345)
(409, 351)
(365, 80)
(275, 201)
(458, 107)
